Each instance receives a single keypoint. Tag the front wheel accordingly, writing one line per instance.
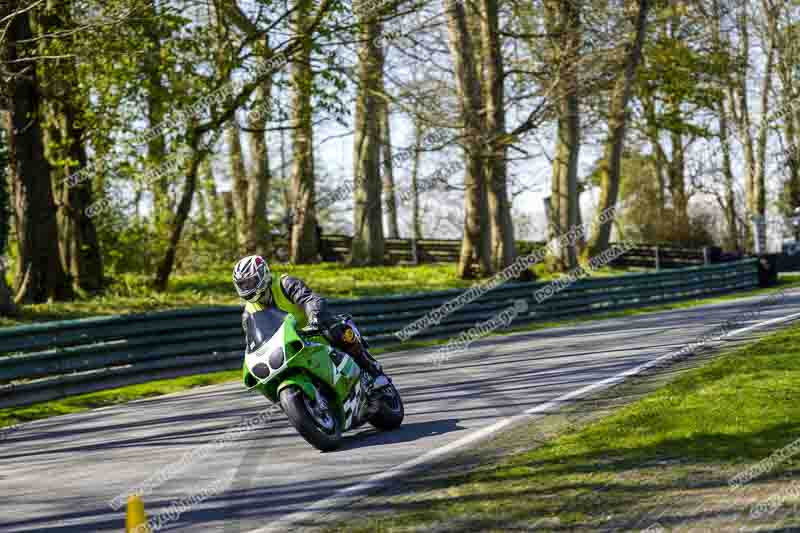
(315, 420)
(390, 409)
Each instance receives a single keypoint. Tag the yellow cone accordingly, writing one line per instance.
(135, 520)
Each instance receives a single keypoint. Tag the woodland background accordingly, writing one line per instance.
(150, 136)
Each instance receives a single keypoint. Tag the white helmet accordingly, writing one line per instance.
(251, 277)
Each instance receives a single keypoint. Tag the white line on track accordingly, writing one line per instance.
(339, 498)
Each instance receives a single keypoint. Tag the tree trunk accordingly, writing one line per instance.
(7, 306)
(499, 205)
(731, 224)
(792, 186)
(165, 266)
(40, 276)
(617, 124)
(787, 58)
(389, 194)
(204, 200)
(748, 152)
(569, 146)
(759, 183)
(238, 183)
(228, 210)
(659, 158)
(724, 113)
(676, 170)
(214, 201)
(78, 242)
(754, 149)
(564, 190)
(563, 22)
(738, 93)
(416, 218)
(287, 193)
(581, 236)
(368, 244)
(476, 245)
(157, 97)
(250, 184)
(305, 245)
(65, 151)
(257, 236)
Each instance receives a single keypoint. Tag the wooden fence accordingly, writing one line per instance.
(336, 248)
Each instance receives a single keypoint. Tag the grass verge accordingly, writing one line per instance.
(131, 293)
(662, 463)
(15, 415)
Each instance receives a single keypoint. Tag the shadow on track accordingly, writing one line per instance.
(405, 433)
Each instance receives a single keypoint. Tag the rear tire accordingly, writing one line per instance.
(297, 407)
(391, 411)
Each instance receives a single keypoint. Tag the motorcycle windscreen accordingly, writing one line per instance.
(268, 357)
(262, 326)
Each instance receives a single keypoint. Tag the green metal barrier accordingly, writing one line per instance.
(55, 360)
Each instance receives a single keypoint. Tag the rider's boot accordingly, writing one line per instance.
(377, 379)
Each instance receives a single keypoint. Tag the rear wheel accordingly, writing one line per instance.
(390, 411)
(315, 420)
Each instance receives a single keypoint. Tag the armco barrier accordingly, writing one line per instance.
(54, 360)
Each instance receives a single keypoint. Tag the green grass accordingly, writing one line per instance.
(130, 293)
(14, 415)
(666, 458)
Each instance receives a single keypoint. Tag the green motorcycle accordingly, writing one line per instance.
(322, 390)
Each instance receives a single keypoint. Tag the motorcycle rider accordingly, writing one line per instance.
(260, 290)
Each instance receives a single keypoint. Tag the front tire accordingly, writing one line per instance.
(390, 412)
(315, 420)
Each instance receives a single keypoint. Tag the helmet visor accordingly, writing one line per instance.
(247, 285)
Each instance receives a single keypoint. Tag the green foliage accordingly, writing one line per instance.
(207, 246)
(650, 218)
(178, 57)
(129, 54)
(528, 247)
(127, 244)
(789, 198)
(681, 71)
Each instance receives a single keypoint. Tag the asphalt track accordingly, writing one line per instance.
(61, 474)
